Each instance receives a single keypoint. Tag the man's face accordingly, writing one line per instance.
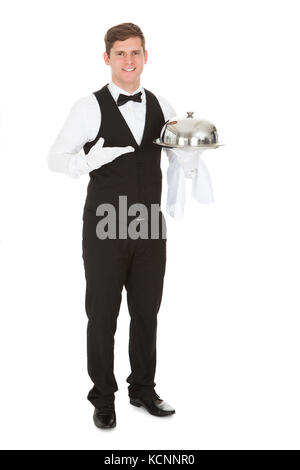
(124, 56)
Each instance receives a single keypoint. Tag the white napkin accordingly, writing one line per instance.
(186, 164)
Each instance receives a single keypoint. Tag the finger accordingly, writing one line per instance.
(121, 150)
(100, 142)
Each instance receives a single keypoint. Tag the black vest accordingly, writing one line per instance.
(136, 174)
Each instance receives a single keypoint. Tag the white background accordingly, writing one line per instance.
(228, 334)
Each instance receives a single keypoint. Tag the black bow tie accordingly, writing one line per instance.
(122, 99)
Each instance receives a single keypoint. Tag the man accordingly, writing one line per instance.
(116, 127)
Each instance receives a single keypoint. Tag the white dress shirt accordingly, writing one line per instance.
(82, 126)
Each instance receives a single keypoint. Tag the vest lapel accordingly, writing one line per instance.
(124, 123)
(147, 119)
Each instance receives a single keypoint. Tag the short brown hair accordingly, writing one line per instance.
(121, 32)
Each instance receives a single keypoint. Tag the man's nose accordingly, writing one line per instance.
(128, 60)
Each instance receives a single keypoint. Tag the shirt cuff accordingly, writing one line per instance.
(78, 166)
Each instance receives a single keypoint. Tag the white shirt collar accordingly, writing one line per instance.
(115, 90)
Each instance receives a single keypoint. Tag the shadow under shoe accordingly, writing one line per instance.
(154, 405)
(105, 417)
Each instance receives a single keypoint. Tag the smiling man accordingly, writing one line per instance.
(127, 59)
(116, 126)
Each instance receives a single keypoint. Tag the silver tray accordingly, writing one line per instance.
(209, 146)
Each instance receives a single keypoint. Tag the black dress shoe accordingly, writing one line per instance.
(154, 405)
(105, 417)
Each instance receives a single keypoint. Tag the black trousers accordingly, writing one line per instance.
(110, 264)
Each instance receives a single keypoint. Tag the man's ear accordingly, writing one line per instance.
(106, 58)
(145, 56)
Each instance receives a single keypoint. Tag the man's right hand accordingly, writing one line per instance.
(99, 155)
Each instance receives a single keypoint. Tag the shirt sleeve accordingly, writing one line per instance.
(64, 155)
(169, 113)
